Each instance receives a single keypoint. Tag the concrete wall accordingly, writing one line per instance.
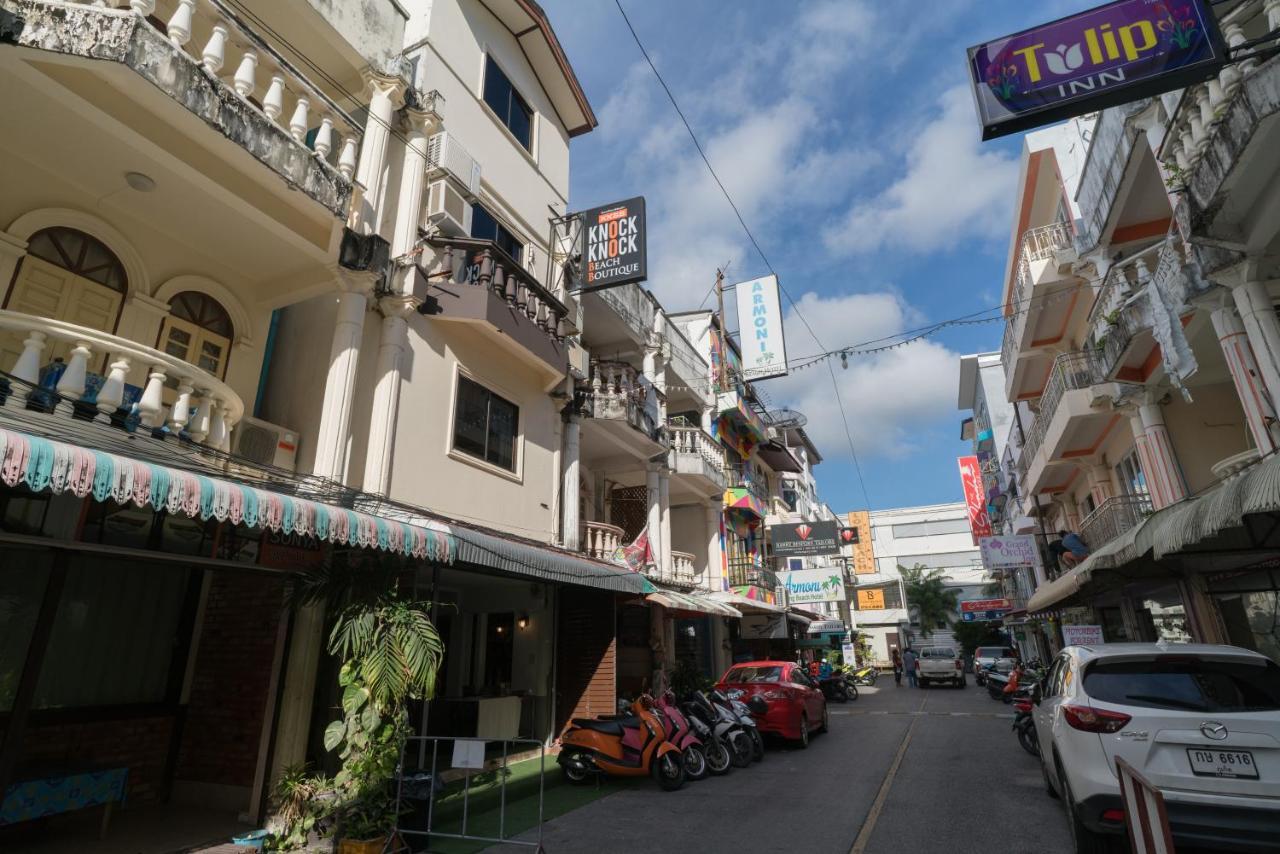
(1206, 431)
(374, 28)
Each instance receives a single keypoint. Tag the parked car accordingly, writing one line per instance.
(940, 664)
(796, 707)
(1003, 657)
(1200, 722)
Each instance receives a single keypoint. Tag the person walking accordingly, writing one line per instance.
(897, 666)
(909, 662)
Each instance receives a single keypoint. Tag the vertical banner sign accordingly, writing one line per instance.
(1114, 54)
(764, 352)
(614, 251)
(974, 499)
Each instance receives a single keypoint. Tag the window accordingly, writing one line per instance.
(1129, 472)
(511, 109)
(741, 675)
(485, 227)
(937, 652)
(1197, 685)
(198, 330)
(929, 529)
(499, 650)
(79, 253)
(485, 426)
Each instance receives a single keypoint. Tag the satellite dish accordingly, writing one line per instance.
(785, 419)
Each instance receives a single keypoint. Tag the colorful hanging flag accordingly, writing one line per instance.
(638, 554)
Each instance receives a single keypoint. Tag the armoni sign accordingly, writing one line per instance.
(1120, 52)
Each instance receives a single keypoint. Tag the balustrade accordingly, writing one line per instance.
(693, 443)
(599, 539)
(682, 568)
(619, 391)
(1112, 518)
(1070, 371)
(217, 407)
(1037, 244)
(481, 263)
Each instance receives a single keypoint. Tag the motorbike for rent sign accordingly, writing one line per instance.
(1082, 635)
(1121, 52)
(1008, 552)
(614, 251)
(764, 350)
(805, 539)
(813, 585)
(975, 498)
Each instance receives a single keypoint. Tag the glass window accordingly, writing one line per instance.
(1129, 473)
(929, 529)
(511, 109)
(798, 677)
(1187, 683)
(22, 586)
(754, 674)
(485, 425)
(485, 226)
(198, 330)
(80, 253)
(937, 652)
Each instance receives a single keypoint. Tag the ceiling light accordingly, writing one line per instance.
(140, 182)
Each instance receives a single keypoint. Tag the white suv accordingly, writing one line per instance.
(1200, 722)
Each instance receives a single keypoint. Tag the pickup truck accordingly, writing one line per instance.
(940, 664)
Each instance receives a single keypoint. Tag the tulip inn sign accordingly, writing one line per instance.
(1120, 52)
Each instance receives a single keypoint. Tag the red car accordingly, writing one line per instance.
(796, 706)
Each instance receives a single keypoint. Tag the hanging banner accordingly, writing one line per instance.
(805, 539)
(871, 599)
(975, 498)
(1121, 52)
(805, 586)
(1011, 551)
(764, 351)
(613, 245)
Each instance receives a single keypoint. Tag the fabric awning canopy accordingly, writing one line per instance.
(1055, 593)
(544, 563)
(695, 604)
(745, 605)
(44, 464)
(798, 617)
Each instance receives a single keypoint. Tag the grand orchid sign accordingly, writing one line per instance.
(1120, 52)
(1009, 551)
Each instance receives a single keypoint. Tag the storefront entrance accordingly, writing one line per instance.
(1249, 605)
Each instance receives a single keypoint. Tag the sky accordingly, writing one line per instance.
(846, 134)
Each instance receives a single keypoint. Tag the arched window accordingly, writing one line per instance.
(79, 253)
(198, 330)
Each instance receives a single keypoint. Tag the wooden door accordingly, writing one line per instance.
(47, 290)
(586, 655)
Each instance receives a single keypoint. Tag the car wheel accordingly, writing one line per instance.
(1084, 840)
(803, 741)
(826, 718)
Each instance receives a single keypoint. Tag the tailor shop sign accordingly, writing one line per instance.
(806, 539)
(1120, 52)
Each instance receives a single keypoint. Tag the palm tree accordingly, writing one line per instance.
(927, 593)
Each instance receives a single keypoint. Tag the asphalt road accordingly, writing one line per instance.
(962, 784)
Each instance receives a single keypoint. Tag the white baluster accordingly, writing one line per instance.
(347, 159)
(324, 138)
(180, 24)
(27, 368)
(1204, 101)
(298, 124)
(217, 425)
(245, 80)
(180, 412)
(151, 404)
(143, 7)
(1189, 147)
(215, 52)
(225, 447)
(273, 101)
(71, 383)
(198, 429)
(1272, 8)
(111, 395)
(1217, 99)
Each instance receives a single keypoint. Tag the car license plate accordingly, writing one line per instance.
(1222, 763)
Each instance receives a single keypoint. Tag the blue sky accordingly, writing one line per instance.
(845, 131)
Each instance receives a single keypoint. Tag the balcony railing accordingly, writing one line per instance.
(693, 451)
(1038, 244)
(1070, 371)
(1112, 518)
(204, 409)
(483, 264)
(744, 573)
(599, 539)
(619, 392)
(682, 569)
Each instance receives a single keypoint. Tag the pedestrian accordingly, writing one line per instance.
(909, 663)
(1069, 548)
(897, 666)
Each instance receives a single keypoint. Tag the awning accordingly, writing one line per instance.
(695, 604)
(800, 617)
(778, 457)
(745, 605)
(44, 464)
(544, 563)
(1055, 593)
(741, 498)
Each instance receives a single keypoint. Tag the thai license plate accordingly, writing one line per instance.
(1222, 763)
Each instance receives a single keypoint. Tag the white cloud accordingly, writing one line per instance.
(953, 190)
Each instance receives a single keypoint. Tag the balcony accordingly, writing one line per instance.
(130, 395)
(1112, 518)
(681, 570)
(620, 407)
(1070, 372)
(745, 573)
(1041, 269)
(599, 539)
(697, 460)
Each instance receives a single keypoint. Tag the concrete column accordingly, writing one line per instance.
(715, 552)
(664, 504)
(339, 387)
(386, 394)
(386, 95)
(1100, 484)
(412, 180)
(294, 721)
(1165, 468)
(1202, 614)
(652, 491)
(1259, 410)
(1148, 464)
(569, 476)
(1263, 330)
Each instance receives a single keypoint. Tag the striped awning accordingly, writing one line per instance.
(690, 603)
(746, 605)
(544, 563)
(43, 464)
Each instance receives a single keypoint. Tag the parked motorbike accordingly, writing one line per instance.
(834, 688)
(746, 717)
(633, 745)
(681, 733)
(865, 676)
(1025, 726)
(716, 732)
(726, 725)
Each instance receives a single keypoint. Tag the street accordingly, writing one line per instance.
(901, 770)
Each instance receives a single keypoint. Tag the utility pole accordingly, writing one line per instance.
(724, 332)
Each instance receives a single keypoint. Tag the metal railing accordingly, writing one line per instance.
(744, 573)
(1070, 371)
(1112, 518)
(1038, 244)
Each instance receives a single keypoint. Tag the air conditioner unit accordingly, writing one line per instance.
(445, 155)
(447, 209)
(265, 444)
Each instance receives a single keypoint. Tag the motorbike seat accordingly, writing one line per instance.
(609, 727)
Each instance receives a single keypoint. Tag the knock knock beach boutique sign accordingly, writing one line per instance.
(614, 251)
(1120, 52)
(764, 351)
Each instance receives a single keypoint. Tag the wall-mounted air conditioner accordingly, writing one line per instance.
(446, 156)
(447, 210)
(265, 444)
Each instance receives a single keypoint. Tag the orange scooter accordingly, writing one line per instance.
(633, 745)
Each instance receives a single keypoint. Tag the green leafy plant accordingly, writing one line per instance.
(299, 807)
(928, 594)
(685, 678)
(970, 636)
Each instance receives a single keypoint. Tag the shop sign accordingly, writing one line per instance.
(1012, 551)
(805, 539)
(1121, 52)
(758, 626)
(980, 610)
(823, 627)
(764, 349)
(974, 498)
(614, 251)
(1082, 635)
(814, 585)
(871, 600)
